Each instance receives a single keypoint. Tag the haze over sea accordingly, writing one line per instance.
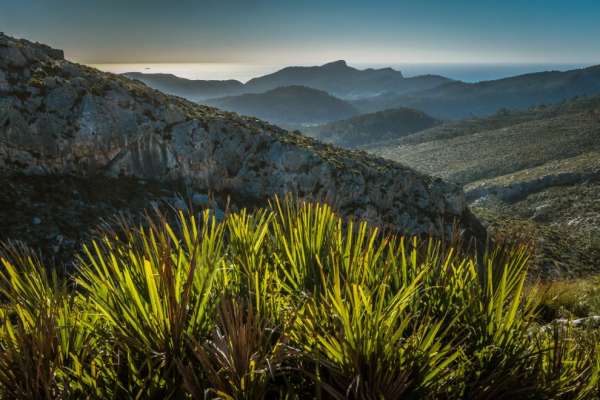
(244, 72)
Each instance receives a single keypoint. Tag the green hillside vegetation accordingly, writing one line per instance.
(535, 171)
(288, 302)
(368, 128)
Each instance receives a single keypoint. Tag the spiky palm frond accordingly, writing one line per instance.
(156, 289)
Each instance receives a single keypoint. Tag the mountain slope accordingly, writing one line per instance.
(288, 105)
(483, 148)
(58, 117)
(342, 80)
(194, 90)
(534, 174)
(375, 127)
(457, 100)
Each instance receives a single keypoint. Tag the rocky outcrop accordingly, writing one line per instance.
(58, 117)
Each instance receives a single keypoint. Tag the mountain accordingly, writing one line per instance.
(336, 78)
(65, 122)
(344, 81)
(290, 105)
(374, 127)
(534, 174)
(458, 100)
(195, 90)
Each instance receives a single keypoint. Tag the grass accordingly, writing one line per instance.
(576, 298)
(290, 301)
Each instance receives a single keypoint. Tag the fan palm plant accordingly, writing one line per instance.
(155, 289)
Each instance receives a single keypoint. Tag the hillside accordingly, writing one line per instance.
(374, 127)
(534, 173)
(195, 90)
(59, 119)
(458, 100)
(290, 105)
(480, 148)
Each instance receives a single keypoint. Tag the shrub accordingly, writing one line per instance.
(290, 301)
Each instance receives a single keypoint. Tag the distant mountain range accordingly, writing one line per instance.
(373, 127)
(458, 100)
(336, 78)
(373, 90)
(344, 81)
(289, 106)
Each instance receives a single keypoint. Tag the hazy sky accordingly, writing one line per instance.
(311, 31)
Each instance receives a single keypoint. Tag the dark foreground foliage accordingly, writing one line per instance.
(286, 302)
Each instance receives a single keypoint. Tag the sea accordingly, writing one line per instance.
(245, 72)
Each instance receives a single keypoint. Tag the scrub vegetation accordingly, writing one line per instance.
(289, 301)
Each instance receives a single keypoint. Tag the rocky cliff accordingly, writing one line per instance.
(58, 117)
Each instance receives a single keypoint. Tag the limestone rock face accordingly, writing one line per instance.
(58, 117)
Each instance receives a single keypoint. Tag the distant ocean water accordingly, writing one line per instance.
(244, 72)
(204, 71)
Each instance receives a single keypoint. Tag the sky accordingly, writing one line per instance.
(311, 31)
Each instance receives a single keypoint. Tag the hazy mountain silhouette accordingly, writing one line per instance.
(457, 100)
(342, 80)
(336, 78)
(288, 105)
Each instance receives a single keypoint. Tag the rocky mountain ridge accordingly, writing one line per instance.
(61, 118)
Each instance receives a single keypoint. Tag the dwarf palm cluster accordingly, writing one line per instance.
(290, 301)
